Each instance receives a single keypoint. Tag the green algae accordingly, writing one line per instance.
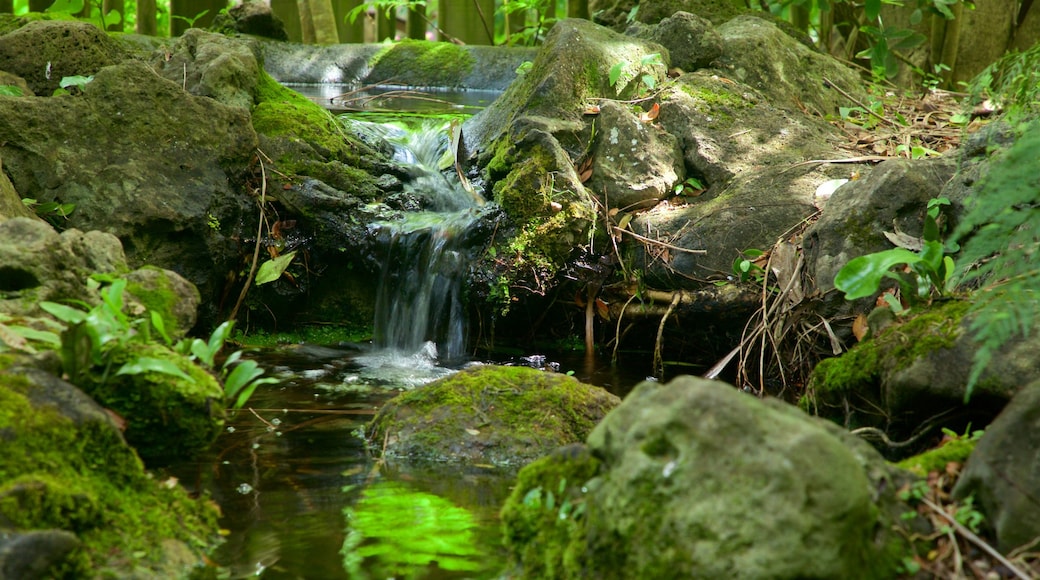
(82, 477)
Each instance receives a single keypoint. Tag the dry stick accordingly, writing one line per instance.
(617, 330)
(590, 314)
(259, 232)
(971, 537)
(658, 242)
(658, 357)
(862, 106)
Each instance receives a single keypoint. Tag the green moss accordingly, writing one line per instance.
(159, 298)
(423, 63)
(307, 334)
(896, 348)
(543, 521)
(953, 450)
(84, 479)
(167, 417)
(321, 146)
(517, 413)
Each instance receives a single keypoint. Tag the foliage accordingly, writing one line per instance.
(928, 267)
(746, 267)
(1013, 82)
(52, 211)
(646, 82)
(1000, 243)
(93, 336)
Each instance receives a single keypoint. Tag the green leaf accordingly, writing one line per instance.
(10, 91)
(160, 326)
(615, 73)
(871, 9)
(153, 365)
(862, 276)
(74, 81)
(273, 269)
(66, 7)
(64, 313)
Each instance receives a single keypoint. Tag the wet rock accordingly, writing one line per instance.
(45, 51)
(489, 414)
(1002, 472)
(167, 293)
(618, 13)
(696, 479)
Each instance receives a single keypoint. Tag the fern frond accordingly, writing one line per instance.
(1000, 250)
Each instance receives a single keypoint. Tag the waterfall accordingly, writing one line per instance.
(420, 304)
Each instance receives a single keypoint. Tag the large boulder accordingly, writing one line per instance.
(489, 414)
(75, 500)
(162, 182)
(695, 479)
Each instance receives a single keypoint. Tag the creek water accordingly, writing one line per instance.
(300, 495)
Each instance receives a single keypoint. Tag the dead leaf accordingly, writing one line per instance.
(591, 110)
(860, 326)
(650, 115)
(119, 421)
(603, 309)
(585, 170)
(473, 432)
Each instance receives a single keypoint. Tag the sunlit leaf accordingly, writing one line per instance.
(153, 365)
(272, 270)
(861, 276)
(615, 73)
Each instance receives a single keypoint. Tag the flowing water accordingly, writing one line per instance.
(300, 495)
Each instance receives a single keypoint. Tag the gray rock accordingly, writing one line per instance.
(759, 54)
(35, 554)
(1003, 472)
(634, 164)
(169, 294)
(698, 480)
(44, 51)
(215, 66)
(692, 41)
(100, 252)
(36, 265)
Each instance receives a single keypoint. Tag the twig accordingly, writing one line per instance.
(658, 242)
(971, 537)
(861, 105)
(658, 357)
(259, 232)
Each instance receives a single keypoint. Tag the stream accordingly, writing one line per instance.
(300, 494)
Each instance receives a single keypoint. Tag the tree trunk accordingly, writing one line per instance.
(324, 20)
(578, 9)
(119, 7)
(147, 22)
(417, 23)
(289, 12)
(6, 6)
(469, 21)
(386, 25)
(39, 5)
(349, 32)
(306, 22)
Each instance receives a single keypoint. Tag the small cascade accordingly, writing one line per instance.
(420, 313)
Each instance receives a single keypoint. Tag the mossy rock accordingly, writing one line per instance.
(167, 417)
(167, 293)
(421, 63)
(305, 139)
(66, 468)
(489, 414)
(543, 520)
(70, 48)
